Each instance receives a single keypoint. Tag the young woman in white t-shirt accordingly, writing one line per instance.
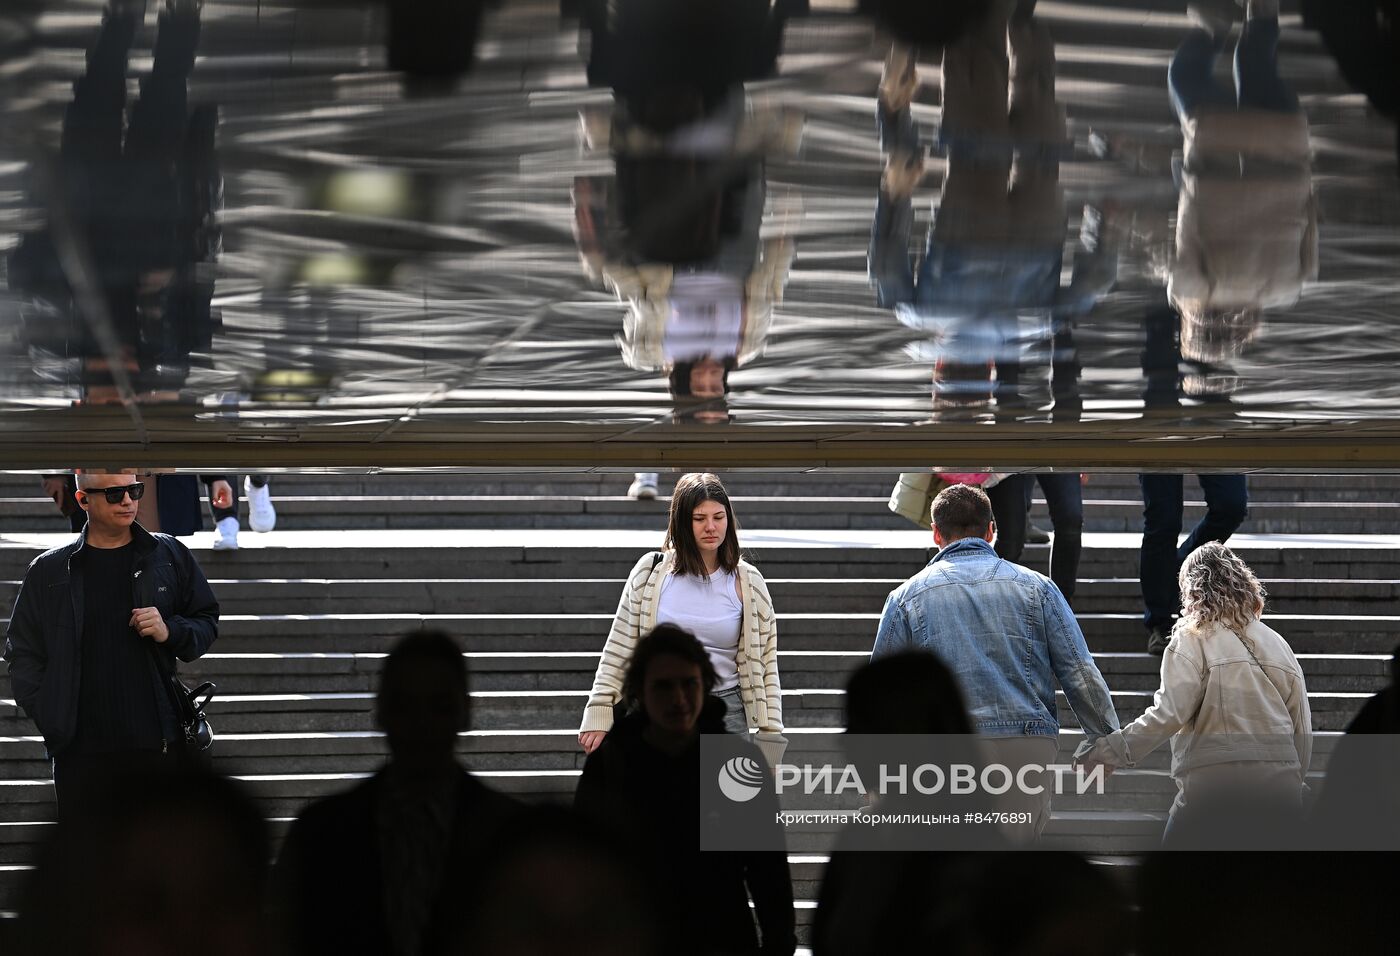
(701, 584)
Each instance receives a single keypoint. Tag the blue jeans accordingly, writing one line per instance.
(734, 720)
(1192, 85)
(1227, 500)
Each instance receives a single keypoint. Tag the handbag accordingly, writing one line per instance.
(195, 728)
(912, 497)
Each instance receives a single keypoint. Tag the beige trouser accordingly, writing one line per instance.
(1015, 753)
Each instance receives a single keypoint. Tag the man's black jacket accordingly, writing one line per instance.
(42, 644)
(328, 886)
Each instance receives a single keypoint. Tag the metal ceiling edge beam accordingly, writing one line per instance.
(478, 451)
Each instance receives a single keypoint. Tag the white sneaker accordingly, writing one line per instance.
(226, 535)
(644, 487)
(261, 515)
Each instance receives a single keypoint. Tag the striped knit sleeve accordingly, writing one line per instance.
(768, 641)
(622, 640)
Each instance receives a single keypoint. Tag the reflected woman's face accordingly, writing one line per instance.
(707, 379)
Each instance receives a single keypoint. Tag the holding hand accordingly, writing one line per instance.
(220, 494)
(149, 623)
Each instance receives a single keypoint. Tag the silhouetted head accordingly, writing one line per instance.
(911, 692)
(702, 521)
(961, 511)
(162, 858)
(668, 678)
(423, 702)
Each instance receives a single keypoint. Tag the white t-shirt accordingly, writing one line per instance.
(707, 317)
(710, 609)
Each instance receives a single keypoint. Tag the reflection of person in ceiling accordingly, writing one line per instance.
(988, 287)
(676, 232)
(1246, 231)
(138, 192)
(1170, 374)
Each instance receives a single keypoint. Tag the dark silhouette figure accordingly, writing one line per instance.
(556, 883)
(644, 780)
(386, 866)
(1364, 38)
(166, 863)
(1086, 915)
(1237, 906)
(1357, 808)
(876, 889)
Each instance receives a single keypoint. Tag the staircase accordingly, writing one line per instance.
(526, 570)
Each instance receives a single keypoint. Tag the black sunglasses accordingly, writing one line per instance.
(117, 493)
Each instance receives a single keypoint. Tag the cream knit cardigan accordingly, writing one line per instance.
(756, 660)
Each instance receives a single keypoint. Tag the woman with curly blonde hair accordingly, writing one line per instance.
(1232, 697)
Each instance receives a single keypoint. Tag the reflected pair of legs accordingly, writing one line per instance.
(1191, 81)
(1002, 132)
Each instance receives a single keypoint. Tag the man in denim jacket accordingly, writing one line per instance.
(1004, 631)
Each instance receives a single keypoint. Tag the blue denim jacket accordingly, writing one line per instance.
(1003, 630)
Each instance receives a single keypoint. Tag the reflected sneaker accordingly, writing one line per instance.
(226, 535)
(1035, 534)
(1157, 640)
(643, 488)
(261, 515)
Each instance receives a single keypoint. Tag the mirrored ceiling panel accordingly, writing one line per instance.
(748, 232)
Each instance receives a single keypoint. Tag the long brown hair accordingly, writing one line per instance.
(691, 491)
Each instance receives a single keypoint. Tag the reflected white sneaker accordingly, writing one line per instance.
(226, 535)
(643, 488)
(261, 515)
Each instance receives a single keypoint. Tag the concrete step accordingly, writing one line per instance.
(327, 511)
(314, 672)
(599, 595)
(534, 553)
(854, 632)
(546, 749)
(545, 709)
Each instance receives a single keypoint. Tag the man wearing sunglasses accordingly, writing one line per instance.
(94, 627)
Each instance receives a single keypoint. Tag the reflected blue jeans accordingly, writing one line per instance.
(1191, 80)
